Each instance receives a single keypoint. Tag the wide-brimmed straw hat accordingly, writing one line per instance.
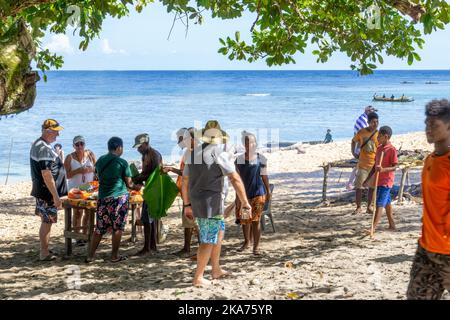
(213, 133)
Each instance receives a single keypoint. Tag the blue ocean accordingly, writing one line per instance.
(286, 106)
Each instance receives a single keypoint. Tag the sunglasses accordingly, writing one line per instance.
(79, 144)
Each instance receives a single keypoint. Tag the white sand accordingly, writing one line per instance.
(317, 252)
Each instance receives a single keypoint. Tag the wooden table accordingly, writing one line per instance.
(404, 166)
(90, 207)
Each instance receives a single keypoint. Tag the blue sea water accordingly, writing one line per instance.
(285, 105)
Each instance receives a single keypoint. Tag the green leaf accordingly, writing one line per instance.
(410, 59)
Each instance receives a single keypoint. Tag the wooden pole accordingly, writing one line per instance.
(326, 169)
(9, 161)
(374, 197)
(402, 185)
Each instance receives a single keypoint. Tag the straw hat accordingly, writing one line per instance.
(213, 134)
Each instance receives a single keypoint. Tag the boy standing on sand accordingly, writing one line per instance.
(430, 272)
(386, 175)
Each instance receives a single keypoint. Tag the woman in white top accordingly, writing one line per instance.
(80, 168)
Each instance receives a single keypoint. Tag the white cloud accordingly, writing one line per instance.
(107, 49)
(60, 43)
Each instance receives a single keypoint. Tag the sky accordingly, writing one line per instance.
(140, 42)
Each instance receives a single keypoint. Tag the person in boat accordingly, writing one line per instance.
(384, 96)
(392, 97)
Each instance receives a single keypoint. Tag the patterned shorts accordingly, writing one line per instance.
(209, 229)
(111, 214)
(47, 211)
(430, 275)
(257, 204)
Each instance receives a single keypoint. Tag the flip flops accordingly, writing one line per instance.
(49, 257)
(120, 258)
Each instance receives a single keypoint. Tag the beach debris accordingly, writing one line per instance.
(254, 282)
(178, 292)
(294, 295)
(289, 265)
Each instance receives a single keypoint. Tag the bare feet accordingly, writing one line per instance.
(391, 229)
(357, 211)
(220, 274)
(183, 253)
(369, 210)
(257, 252)
(244, 247)
(143, 253)
(201, 282)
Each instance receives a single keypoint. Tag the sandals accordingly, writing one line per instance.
(88, 260)
(120, 258)
(50, 257)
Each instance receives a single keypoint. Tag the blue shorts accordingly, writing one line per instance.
(209, 229)
(383, 196)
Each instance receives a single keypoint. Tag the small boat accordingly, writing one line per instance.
(431, 82)
(402, 99)
(407, 82)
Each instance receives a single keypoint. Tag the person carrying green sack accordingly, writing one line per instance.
(160, 191)
(151, 161)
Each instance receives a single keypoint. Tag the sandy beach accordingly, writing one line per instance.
(317, 252)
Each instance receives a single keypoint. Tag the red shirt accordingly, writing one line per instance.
(386, 179)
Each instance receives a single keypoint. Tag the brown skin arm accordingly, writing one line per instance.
(387, 169)
(238, 186)
(174, 170)
(353, 149)
(131, 185)
(51, 186)
(265, 179)
(186, 200)
(143, 176)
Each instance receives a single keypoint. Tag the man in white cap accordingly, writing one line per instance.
(203, 179)
(151, 160)
(186, 141)
(49, 182)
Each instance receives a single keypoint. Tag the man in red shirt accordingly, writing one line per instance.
(386, 175)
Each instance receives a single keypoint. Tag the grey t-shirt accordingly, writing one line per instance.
(206, 167)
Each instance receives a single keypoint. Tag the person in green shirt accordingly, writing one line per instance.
(114, 178)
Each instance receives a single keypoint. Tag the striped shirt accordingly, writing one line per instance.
(361, 123)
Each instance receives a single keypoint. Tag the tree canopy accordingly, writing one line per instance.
(364, 30)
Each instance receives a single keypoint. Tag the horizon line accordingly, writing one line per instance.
(207, 70)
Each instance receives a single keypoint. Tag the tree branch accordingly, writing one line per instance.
(22, 5)
(415, 11)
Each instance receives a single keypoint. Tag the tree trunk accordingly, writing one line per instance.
(17, 81)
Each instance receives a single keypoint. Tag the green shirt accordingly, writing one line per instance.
(112, 171)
